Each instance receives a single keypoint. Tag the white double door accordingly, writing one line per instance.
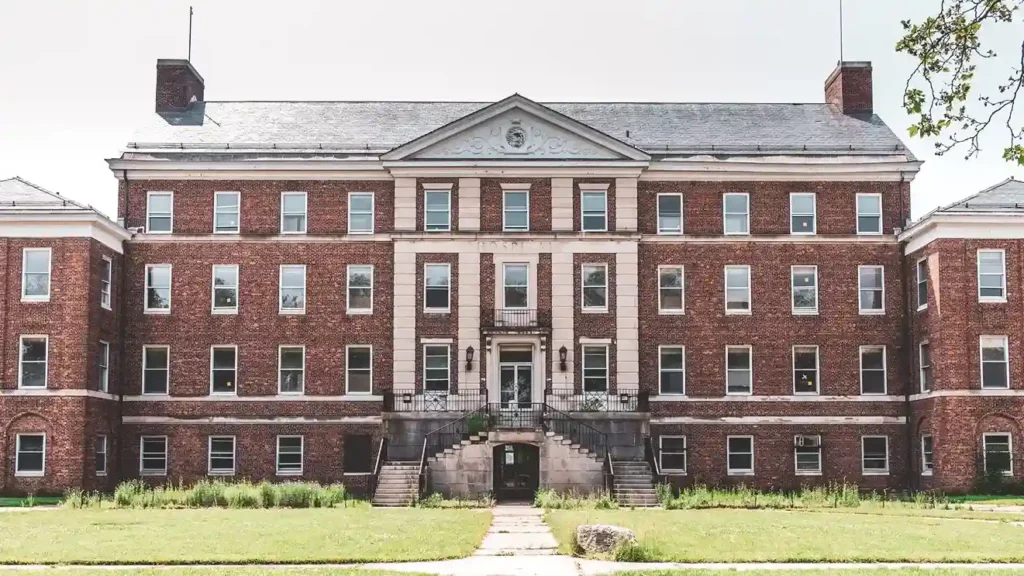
(515, 378)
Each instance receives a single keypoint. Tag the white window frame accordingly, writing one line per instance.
(885, 369)
(792, 292)
(373, 213)
(448, 195)
(607, 362)
(661, 451)
(167, 370)
(917, 292)
(348, 289)
(104, 365)
(348, 369)
(1002, 276)
(750, 292)
(857, 215)
(928, 468)
(504, 209)
(281, 287)
(209, 456)
(17, 452)
(981, 361)
(106, 456)
(725, 215)
(817, 369)
(657, 208)
(984, 450)
(863, 470)
(921, 378)
(728, 456)
(213, 348)
(21, 361)
(280, 370)
(302, 455)
(587, 192)
(305, 212)
(142, 455)
(106, 282)
(49, 275)
(448, 288)
(584, 286)
(813, 214)
(869, 311)
(217, 210)
(213, 289)
(505, 285)
(796, 467)
(447, 368)
(150, 213)
(682, 370)
(682, 290)
(750, 354)
(170, 290)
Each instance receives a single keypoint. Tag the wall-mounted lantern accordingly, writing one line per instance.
(563, 354)
(469, 358)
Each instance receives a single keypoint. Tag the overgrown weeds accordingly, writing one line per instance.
(572, 500)
(832, 495)
(215, 493)
(436, 500)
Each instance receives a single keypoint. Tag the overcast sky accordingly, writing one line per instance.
(78, 77)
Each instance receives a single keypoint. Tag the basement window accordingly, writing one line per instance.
(740, 454)
(672, 454)
(31, 455)
(221, 456)
(998, 453)
(927, 465)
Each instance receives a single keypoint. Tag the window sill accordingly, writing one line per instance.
(886, 393)
(360, 396)
(727, 393)
(221, 473)
(107, 308)
(859, 233)
(291, 312)
(298, 393)
(157, 311)
(673, 472)
(878, 473)
(20, 387)
(598, 311)
(29, 474)
(359, 312)
(437, 311)
(922, 308)
(791, 233)
(297, 473)
(994, 389)
(101, 474)
(153, 473)
(806, 473)
(357, 473)
(815, 393)
(35, 300)
(360, 233)
(669, 397)
(980, 300)
(805, 312)
(212, 393)
(927, 473)
(217, 312)
(872, 312)
(735, 233)
(301, 233)
(671, 312)
(741, 473)
(737, 313)
(226, 232)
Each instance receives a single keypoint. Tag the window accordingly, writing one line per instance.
(104, 366)
(871, 284)
(670, 213)
(35, 274)
(594, 210)
(595, 287)
(225, 289)
(672, 454)
(805, 369)
(100, 455)
(437, 287)
(802, 212)
(291, 369)
(293, 212)
(736, 213)
(874, 455)
(595, 368)
(292, 288)
(358, 370)
(221, 456)
(998, 454)
(437, 215)
(739, 375)
(516, 212)
(436, 367)
(671, 290)
(872, 370)
(360, 289)
(158, 288)
(869, 213)
(223, 370)
(31, 457)
(991, 276)
(672, 369)
(807, 455)
(740, 452)
(995, 364)
(927, 466)
(515, 279)
(357, 454)
(226, 212)
(805, 289)
(153, 456)
(360, 212)
(32, 372)
(155, 369)
(922, 284)
(159, 212)
(106, 281)
(924, 353)
(289, 455)
(737, 289)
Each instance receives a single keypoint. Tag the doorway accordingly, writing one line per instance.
(516, 472)
(515, 373)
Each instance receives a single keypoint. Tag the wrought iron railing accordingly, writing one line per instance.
(653, 459)
(571, 401)
(382, 457)
(516, 318)
(438, 440)
(433, 401)
(586, 436)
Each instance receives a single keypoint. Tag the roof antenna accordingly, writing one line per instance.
(190, 33)
(840, 31)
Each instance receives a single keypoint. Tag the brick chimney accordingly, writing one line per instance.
(177, 85)
(849, 88)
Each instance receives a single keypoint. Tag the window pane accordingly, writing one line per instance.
(736, 224)
(361, 222)
(869, 224)
(593, 202)
(872, 360)
(361, 203)
(437, 298)
(437, 201)
(294, 203)
(671, 358)
(736, 204)
(671, 278)
(802, 203)
(515, 200)
(160, 203)
(37, 261)
(593, 222)
(291, 358)
(994, 375)
(871, 278)
(594, 357)
(803, 223)
(33, 350)
(672, 383)
(869, 204)
(739, 358)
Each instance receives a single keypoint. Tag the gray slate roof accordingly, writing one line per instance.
(18, 194)
(653, 127)
(1007, 196)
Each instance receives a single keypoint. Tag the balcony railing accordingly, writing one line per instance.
(433, 401)
(571, 401)
(516, 319)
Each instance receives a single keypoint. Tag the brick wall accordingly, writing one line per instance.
(492, 203)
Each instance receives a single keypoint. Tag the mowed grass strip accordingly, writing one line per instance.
(231, 571)
(843, 572)
(239, 536)
(787, 536)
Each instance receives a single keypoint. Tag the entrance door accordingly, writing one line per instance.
(516, 379)
(516, 472)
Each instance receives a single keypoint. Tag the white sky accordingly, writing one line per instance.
(78, 77)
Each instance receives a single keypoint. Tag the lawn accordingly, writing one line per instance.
(787, 536)
(843, 572)
(239, 536)
(14, 502)
(234, 571)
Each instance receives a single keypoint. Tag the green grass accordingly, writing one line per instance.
(844, 572)
(989, 500)
(239, 536)
(789, 536)
(18, 502)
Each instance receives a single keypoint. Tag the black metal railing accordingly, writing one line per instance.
(586, 436)
(382, 457)
(653, 458)
(440, 439)
(516, 318)
(570, 401)
(433, 401)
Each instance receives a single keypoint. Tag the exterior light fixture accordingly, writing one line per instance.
(563, 353)
(469, 358)
(624, 398)
(407, 398)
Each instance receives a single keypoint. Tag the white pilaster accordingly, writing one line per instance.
(561, 204)
(404, 347)
(469, 313)
(469, 204)
(405, 204)
(562, 317)
(627, 319)
(625, 204)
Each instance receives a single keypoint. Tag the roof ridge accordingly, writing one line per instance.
(975, 195)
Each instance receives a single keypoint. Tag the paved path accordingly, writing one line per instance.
(518, 531)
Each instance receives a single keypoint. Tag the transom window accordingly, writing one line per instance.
(995, 362)
(153, 456)
(33, 358)
(159, 212)
(437, 212)
(869, 213)
(736, 213)
(874, 455)
(595, 368)
(594, 212)
(31, 455)
(158, 288)
(436, 367)
(805, 369)
(516, 281)
(670, 213)
(360, 289)
(516, 211)
(740, 453)
(738, 370)
(289, 455)
(291, 371)
(737, 289)
(672, 369)
(807, 455)
(802, 213)
(998, 453)
(360, 212)
(922, 284)
(871, 284)
(991, 276)
(100, 455)
(104, 366)
(155, 369)
(35, 274)
(223, 370)
(221, 456)
(927, 465)
(926, 377)
(292, 288)
(293, 212)
(595, 287)
(437, 287)
(225, 288)
(106, 281)
(227, 207)
(358, 370)
(872, 370)
(805, 289)
(672, 454)
(671, 289)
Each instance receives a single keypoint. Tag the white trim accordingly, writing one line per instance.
(682, 290)
(149, 195)
(682, 371)
(920, 367)
(661, 452)
(1002, 257)
(49, 274)
(595, 341)
(725, 214)
(750, 291)
(657, 214)
(730, 471)
(145, 286)
(506, 189)
(280, 381)
(971, 393)
(786, 420)
(583, 287)
(817, 369)
(46, 361)
(792, 292)
(864, 471)
(798, 240)
(448, 288)
(373, 214)
(782, 168)
(305, 212)
(59, 393)
(796, 469)
(348, 289)
(606, 368)
(504, 285)
(284, 420)
(813, 214)
(280, 290)
(750, 355)
(277, 455)
(109, 281)
(213, 289)
(885, 369)
(926, 471)
(917, 283)
(214, 348)
(17, 452)
(881, 213)
(447, 369)
(592, 189)
(142, 455)
(437, 188)
(104, 366)
(348, 368)
(786, 398)
(209, 456)
(247, 398)
(142, 383)
(984, 450)
(437, 340)
(870, 311)
(981, 361)
(962, 226)
(237, 213)
(106, 456)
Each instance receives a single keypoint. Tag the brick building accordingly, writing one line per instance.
(468, 297)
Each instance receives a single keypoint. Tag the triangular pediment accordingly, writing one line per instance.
(516, 129)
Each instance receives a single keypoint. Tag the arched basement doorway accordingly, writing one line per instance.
(516, 472)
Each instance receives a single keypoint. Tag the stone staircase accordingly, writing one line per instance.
(474, 439)
(398, 484)
(634, 484)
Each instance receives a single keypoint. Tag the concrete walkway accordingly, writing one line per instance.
(518, 531)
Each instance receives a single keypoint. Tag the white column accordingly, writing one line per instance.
(562, 317)
(404, 348)
(405, 204)
(625, 204)
(469, 314)
(469, 204)
(561, 204)
(627, 320)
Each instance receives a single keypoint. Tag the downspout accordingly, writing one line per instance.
(907, 326)
(121, 310)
